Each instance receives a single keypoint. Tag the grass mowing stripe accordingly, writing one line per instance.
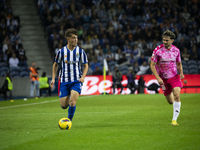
(41, 102)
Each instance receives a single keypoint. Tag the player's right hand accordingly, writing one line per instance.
(52, 83)
(160, 81)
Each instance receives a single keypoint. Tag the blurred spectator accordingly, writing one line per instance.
(98, 49)
(21, 52)
(58, 18)
(7, 86)
(95, 64)
(91, 55)
(13, 61)
(136, 51)
(15, 37)
(136, 68)
(97, 71)
(141, 59)
(109, 56)
(100, 56)
(22, 61)
(117, 78)
(3, 57)
(131, 80)
(123, 61)
(118, 54)
(132, 60)
(143, 68)
(185, 54)
(95, 40)
(128, 50)
(87, 44)
(194, 54)
(16, 45)
(34, 77)
(44, 84)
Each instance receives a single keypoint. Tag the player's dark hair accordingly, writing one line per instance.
(71, 31)
(169, 33)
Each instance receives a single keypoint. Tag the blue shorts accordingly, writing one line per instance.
(65, 88)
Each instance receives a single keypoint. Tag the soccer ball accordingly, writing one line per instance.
(65, 123)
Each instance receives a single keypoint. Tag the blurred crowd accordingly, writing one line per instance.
(111, 28)
(11, 48)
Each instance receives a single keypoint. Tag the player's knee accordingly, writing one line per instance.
(170, 103)
(176, 97)
(63, 107)
(72, 103)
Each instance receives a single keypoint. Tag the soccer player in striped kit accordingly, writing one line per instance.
(71, 57)
(165, 61)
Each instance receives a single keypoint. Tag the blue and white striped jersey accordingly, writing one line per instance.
(71, 63)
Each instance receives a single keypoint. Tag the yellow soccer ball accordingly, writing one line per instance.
(65, 123)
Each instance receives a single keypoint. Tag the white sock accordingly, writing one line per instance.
(176, 110)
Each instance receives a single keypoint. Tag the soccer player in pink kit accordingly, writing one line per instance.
(165, 61)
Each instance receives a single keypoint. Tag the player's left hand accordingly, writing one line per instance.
(81, 80)
(182, 76)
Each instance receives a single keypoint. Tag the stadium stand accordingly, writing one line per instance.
(142, 26)
(132, 25)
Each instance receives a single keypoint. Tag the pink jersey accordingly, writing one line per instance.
(166, 60)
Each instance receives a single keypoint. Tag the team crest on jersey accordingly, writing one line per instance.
(66, 61)
(65, 55)
(77, 55)
(60, 93)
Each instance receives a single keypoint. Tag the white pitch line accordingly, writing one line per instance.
(44, 102)
(77, 113)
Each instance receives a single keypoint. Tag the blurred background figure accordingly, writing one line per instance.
(117, 79)
(44, 84)
(131, 76)
(7, 86)
(34, 77)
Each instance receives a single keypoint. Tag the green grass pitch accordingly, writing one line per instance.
(110, 122)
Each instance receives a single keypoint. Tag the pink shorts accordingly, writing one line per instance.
(171, 83)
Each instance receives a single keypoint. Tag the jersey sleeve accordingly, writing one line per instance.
(178, 58)
(154, 56)
(84, 59)
(58, 56)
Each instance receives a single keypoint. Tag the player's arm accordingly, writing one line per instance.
(54, 70)
(85, 70)
(154, 71)
(180, 69)
(33, 75)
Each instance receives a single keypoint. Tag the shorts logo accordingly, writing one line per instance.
(80, 86)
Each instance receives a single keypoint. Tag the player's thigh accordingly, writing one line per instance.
(170, 98)
(176, 93)
(64, 102)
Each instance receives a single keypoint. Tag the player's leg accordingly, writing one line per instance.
(170, 98)
(72, 103)
(32, 88)
(114, 86)
(121, 86)
(64, 102)
(176, 104)
(74, 94)
(64, 95)
(37, 85)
